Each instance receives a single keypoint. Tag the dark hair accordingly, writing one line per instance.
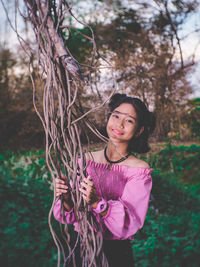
(146, 119)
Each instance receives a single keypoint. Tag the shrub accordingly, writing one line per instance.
(170, 236)
(26, 198)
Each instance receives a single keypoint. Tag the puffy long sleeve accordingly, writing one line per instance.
(69, 217)
(126, 215)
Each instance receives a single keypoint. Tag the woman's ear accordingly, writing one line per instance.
(140, 131)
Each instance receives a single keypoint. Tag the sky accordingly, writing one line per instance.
(190, 44)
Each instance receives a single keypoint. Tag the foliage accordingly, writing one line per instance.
(182, 161)
(170, 236)
(192, 117)
(168, 240)
(80, 47)
(25, 202)
(20, 126)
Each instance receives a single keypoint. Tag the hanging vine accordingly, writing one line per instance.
(62, 116)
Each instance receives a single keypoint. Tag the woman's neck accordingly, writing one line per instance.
(115, 152)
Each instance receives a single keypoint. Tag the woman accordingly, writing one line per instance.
(118, 184)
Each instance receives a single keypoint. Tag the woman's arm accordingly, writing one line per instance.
(126, 215)
(62, 188)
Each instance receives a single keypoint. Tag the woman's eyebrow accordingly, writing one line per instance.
(118, 112)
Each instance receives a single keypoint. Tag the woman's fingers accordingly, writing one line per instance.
(85, 195)
(83, 191)
(87, 189)
(61, 187)
(87, 181)
(59, 181)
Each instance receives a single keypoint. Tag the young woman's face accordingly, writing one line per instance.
(122, 123)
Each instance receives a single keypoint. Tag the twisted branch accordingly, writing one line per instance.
(62, 117)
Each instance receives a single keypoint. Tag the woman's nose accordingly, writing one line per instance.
(120, 123)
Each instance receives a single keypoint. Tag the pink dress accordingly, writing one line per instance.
(127, 190)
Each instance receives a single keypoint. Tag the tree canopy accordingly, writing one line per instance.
(142, 42)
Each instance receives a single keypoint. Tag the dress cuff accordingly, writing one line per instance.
(108, 211)
(68, 211)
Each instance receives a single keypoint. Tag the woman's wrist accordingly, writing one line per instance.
(94, 204)
(68, 205)
(100, 207)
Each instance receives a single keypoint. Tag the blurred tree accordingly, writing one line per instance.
(148, 56)
(7, 62)
(191, 117)
(141, 40)
(20, 127)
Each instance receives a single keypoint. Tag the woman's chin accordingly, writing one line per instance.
(117, 140)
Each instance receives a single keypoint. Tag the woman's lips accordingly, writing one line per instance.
(117, 132)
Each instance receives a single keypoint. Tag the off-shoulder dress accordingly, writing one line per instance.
(127, 191)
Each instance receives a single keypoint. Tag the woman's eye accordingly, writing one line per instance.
(130, 121)
(115, 116)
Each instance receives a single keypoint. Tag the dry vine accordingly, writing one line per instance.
(62, 117)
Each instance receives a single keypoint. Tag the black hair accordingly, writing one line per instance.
(145, 118)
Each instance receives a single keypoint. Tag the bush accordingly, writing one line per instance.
(168, 240)
(170, 236)
(26, 199)
(182, 161)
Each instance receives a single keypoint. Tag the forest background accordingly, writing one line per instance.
(143, 40)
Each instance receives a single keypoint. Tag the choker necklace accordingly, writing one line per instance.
(117, 161)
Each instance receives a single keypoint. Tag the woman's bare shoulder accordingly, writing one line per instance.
(94, 155)
(135, 162)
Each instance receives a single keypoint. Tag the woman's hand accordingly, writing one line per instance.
(63, 188)
(88, 191)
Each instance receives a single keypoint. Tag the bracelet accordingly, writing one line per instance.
(101, 206)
